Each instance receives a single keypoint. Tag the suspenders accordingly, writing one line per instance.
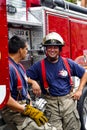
(46, 86)
(68, 69)
(19, 82)
(44, 74)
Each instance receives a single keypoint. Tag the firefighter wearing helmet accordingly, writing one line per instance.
(53, 40)
(54, 75)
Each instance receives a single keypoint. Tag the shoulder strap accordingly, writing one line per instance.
(19, 83)
(44, 74)
(68, 69)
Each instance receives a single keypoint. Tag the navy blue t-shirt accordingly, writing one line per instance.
(56, 75)
(14, 81)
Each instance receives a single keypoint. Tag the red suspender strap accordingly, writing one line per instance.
(19, 83)
(22, 67)
(68, 69)
(46, 86)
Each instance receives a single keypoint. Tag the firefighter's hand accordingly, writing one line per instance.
(76, 95)
(35, 114)
(36, 88)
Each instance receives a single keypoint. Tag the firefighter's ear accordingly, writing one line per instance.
(20, 51)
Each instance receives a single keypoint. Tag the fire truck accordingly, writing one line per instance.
(33, 19)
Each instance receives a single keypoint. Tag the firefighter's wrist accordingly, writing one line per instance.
(23, 112)
(22, 109)
(30, 81)
(80, 88)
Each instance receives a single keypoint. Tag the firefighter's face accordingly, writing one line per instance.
(52, 52)
(24, 52)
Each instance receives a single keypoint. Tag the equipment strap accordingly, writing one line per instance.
(43, 68)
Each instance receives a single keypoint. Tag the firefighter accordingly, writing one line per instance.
(17, 112)
(55, 80)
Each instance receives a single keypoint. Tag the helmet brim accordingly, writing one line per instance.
(53, 43)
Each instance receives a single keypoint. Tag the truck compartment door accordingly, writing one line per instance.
(60, 24)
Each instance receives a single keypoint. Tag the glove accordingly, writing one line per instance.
(35, 114)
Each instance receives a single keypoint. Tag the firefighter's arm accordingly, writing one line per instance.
(35, 86)
(76, 95)
(14, 105)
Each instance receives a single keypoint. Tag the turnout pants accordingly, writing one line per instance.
(23, 122)
(62, 112)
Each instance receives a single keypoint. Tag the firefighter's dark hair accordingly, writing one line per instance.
(15, 43)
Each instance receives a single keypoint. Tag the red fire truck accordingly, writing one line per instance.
(33, 19)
